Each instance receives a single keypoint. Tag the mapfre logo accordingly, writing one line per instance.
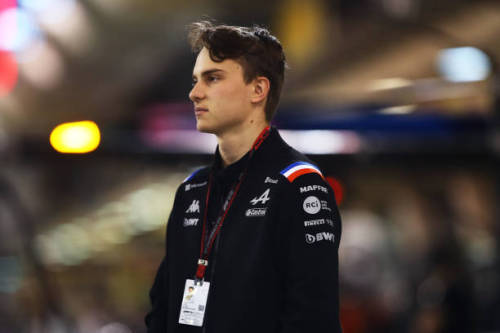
(320, 236)
(308, 188)
(311, 205)
(194, 207)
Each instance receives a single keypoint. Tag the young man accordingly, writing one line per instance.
(252, 236)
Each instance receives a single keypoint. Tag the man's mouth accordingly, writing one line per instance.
(199, 110)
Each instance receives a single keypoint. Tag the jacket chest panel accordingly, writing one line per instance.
(248, 220)
(249, 224)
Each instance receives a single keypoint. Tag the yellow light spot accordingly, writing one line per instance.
(76, 137)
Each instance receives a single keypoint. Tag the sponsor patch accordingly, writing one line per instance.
(191, 186)
(256, 212)
(320, 236)
(190, 222)
(311, 223)
(324, 205)
(264, 197)
(194, 207)
(298, 169)
(311, 205)
(304, 189)
(270, 180)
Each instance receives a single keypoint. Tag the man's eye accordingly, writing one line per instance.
(212, 79)
(193, 83)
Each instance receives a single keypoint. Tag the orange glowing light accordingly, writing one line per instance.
(76, 137)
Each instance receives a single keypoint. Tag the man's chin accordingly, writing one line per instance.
(203, 128)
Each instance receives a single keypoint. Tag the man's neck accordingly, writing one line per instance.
(234, 144)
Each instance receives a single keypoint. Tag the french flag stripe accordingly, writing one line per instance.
(190, 176)
(298, 169)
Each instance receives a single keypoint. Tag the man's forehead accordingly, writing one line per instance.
(205, 64)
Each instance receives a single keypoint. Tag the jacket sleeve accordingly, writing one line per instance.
(310, 227)
(156, 318)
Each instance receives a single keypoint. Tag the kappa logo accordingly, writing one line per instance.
(270, 180)
(308, 188)
(324, 205)
(320, 236)
(256, 212)
(264, 197)
(191, 186)
(311, 205)
(190, 222)
(194, 207)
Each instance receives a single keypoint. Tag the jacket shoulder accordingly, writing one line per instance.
(199, 174)
(296, 165)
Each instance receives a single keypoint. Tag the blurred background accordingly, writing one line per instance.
(398, 101)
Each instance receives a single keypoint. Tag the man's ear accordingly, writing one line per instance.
(260, 89)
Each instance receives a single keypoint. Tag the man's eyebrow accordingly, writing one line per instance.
(209, 71)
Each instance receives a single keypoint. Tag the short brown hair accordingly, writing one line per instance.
(258, 52)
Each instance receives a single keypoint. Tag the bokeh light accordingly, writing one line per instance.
(17, 29)
(49, 10)
(44, 77)
(464, 64)
(8, 73)
(76, 137)
(337, 188)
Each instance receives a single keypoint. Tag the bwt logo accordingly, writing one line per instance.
(190, 222)
(320, 236)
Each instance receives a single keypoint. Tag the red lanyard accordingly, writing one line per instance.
(205, 251)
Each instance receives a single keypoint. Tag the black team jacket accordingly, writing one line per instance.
(274, 264)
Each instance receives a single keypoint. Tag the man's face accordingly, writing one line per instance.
(220, 95)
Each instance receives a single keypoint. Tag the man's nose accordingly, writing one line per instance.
(196, 93)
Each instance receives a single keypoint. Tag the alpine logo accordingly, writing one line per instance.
(191, 186)
(190, 222)
(264, 197)
(194, 207)
(311, 205)
(320, 236)
(256, 212)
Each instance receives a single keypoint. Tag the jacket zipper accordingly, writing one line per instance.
(212, 277)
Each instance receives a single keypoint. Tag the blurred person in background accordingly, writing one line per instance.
(255, 236)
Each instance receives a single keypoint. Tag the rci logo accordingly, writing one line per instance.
(311, 205)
